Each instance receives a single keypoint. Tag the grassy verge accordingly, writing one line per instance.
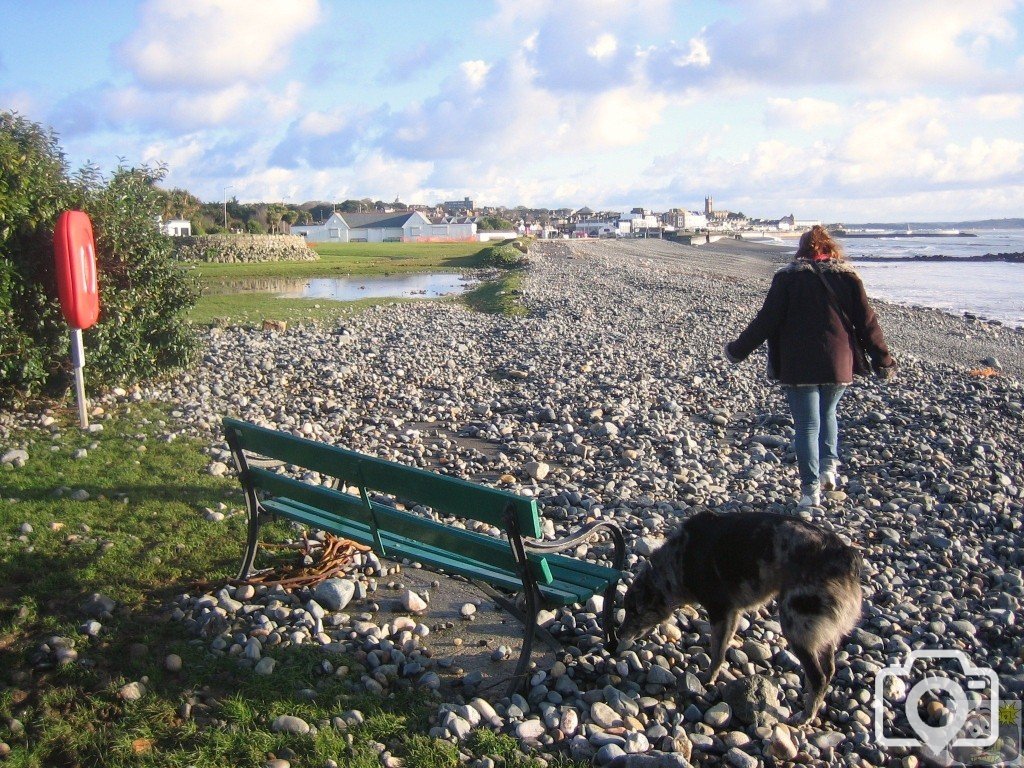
(499, 297)
(141, 538)
(222, 303)
(251, 309)
(340, 259)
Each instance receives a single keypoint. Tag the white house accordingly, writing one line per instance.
(591, 228)
(401, 227)
(693, 220)
(175, 227)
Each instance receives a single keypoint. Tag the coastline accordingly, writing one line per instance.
(922, 332)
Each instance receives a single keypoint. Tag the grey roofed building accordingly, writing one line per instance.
(377, 220)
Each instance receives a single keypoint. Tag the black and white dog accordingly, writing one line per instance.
(733, 562)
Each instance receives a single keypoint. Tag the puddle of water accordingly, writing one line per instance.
(426, 285)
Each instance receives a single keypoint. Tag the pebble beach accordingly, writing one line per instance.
(610, 399)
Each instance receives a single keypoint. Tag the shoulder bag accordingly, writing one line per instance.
(861, 365)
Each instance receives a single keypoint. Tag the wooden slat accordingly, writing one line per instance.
(397, 526)
(345, 505)
(462, 543)
(586, 568)
(450, 495)
(348, 529)
(400, 546)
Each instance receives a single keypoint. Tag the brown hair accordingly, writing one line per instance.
(818, 241)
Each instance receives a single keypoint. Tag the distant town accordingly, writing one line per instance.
(462, 220)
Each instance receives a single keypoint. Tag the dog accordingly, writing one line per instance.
(733, 562)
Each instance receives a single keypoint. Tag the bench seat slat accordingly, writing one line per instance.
(563, 571)
(451, 495)
(477, 546)
(561, 591)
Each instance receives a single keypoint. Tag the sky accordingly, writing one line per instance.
(861, 110)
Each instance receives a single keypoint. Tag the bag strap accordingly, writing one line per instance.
(834, 301)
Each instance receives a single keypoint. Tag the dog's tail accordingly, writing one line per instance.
(823, 607)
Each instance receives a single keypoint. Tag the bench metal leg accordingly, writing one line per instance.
(251, 545)
(519, 678)
(252, 504)
(611, 642)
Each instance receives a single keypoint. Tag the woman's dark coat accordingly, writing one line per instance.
(807, 340)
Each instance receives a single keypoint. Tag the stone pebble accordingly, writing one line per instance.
(639, 420)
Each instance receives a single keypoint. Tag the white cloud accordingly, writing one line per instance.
(878, 44)
(981, 161)
(135, 105)
(893, 140)
(804, 113)
(996, 106)
(475, 72)
(604, 46)
(214, 44)
(621, 117)
(697, 55)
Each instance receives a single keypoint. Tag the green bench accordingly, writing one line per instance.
(518, 562)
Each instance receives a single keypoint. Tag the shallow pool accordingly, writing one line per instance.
(417, 285)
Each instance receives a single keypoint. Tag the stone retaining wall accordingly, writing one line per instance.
(243, 248)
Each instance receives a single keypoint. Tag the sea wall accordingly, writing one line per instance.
(229, 249)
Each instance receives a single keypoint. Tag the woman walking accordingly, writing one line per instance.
(815, 318)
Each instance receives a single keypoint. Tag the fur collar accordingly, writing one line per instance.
(830, 265)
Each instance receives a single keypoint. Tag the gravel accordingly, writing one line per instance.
(611, 400)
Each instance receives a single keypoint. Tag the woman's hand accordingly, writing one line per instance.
(885, 372)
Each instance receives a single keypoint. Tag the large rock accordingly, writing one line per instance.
(289, 724)
(411, 601)
(334, 594)
(754, 700)
(98, 605)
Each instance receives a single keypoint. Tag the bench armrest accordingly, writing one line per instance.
(582, 536)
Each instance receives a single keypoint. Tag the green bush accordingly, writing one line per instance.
(143, 294)
(34, 189)
(505, 255)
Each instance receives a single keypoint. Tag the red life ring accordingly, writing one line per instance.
(74, 252)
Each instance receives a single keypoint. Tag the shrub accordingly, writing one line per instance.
(505, 255)
(143, 294)
(34, 189)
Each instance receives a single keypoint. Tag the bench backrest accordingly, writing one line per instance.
(444, 494)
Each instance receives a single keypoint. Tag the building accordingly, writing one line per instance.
(458, 206)
(639, 219)
(600, 228)
(175, 227)
(710, 212)
(680, 218)
(399, 227)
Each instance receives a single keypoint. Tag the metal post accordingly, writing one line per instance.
(78, 362)
(226, 204)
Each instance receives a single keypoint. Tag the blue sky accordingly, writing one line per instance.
(882, 110)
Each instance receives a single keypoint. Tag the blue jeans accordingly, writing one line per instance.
(817, 433)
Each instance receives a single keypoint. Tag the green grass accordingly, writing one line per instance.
(500, 297)
(222, 303)
(340, 259)
(141, 539)
(251, 309)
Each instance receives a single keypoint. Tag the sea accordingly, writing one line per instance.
(993, 290)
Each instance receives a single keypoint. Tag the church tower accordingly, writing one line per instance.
(709, 206)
